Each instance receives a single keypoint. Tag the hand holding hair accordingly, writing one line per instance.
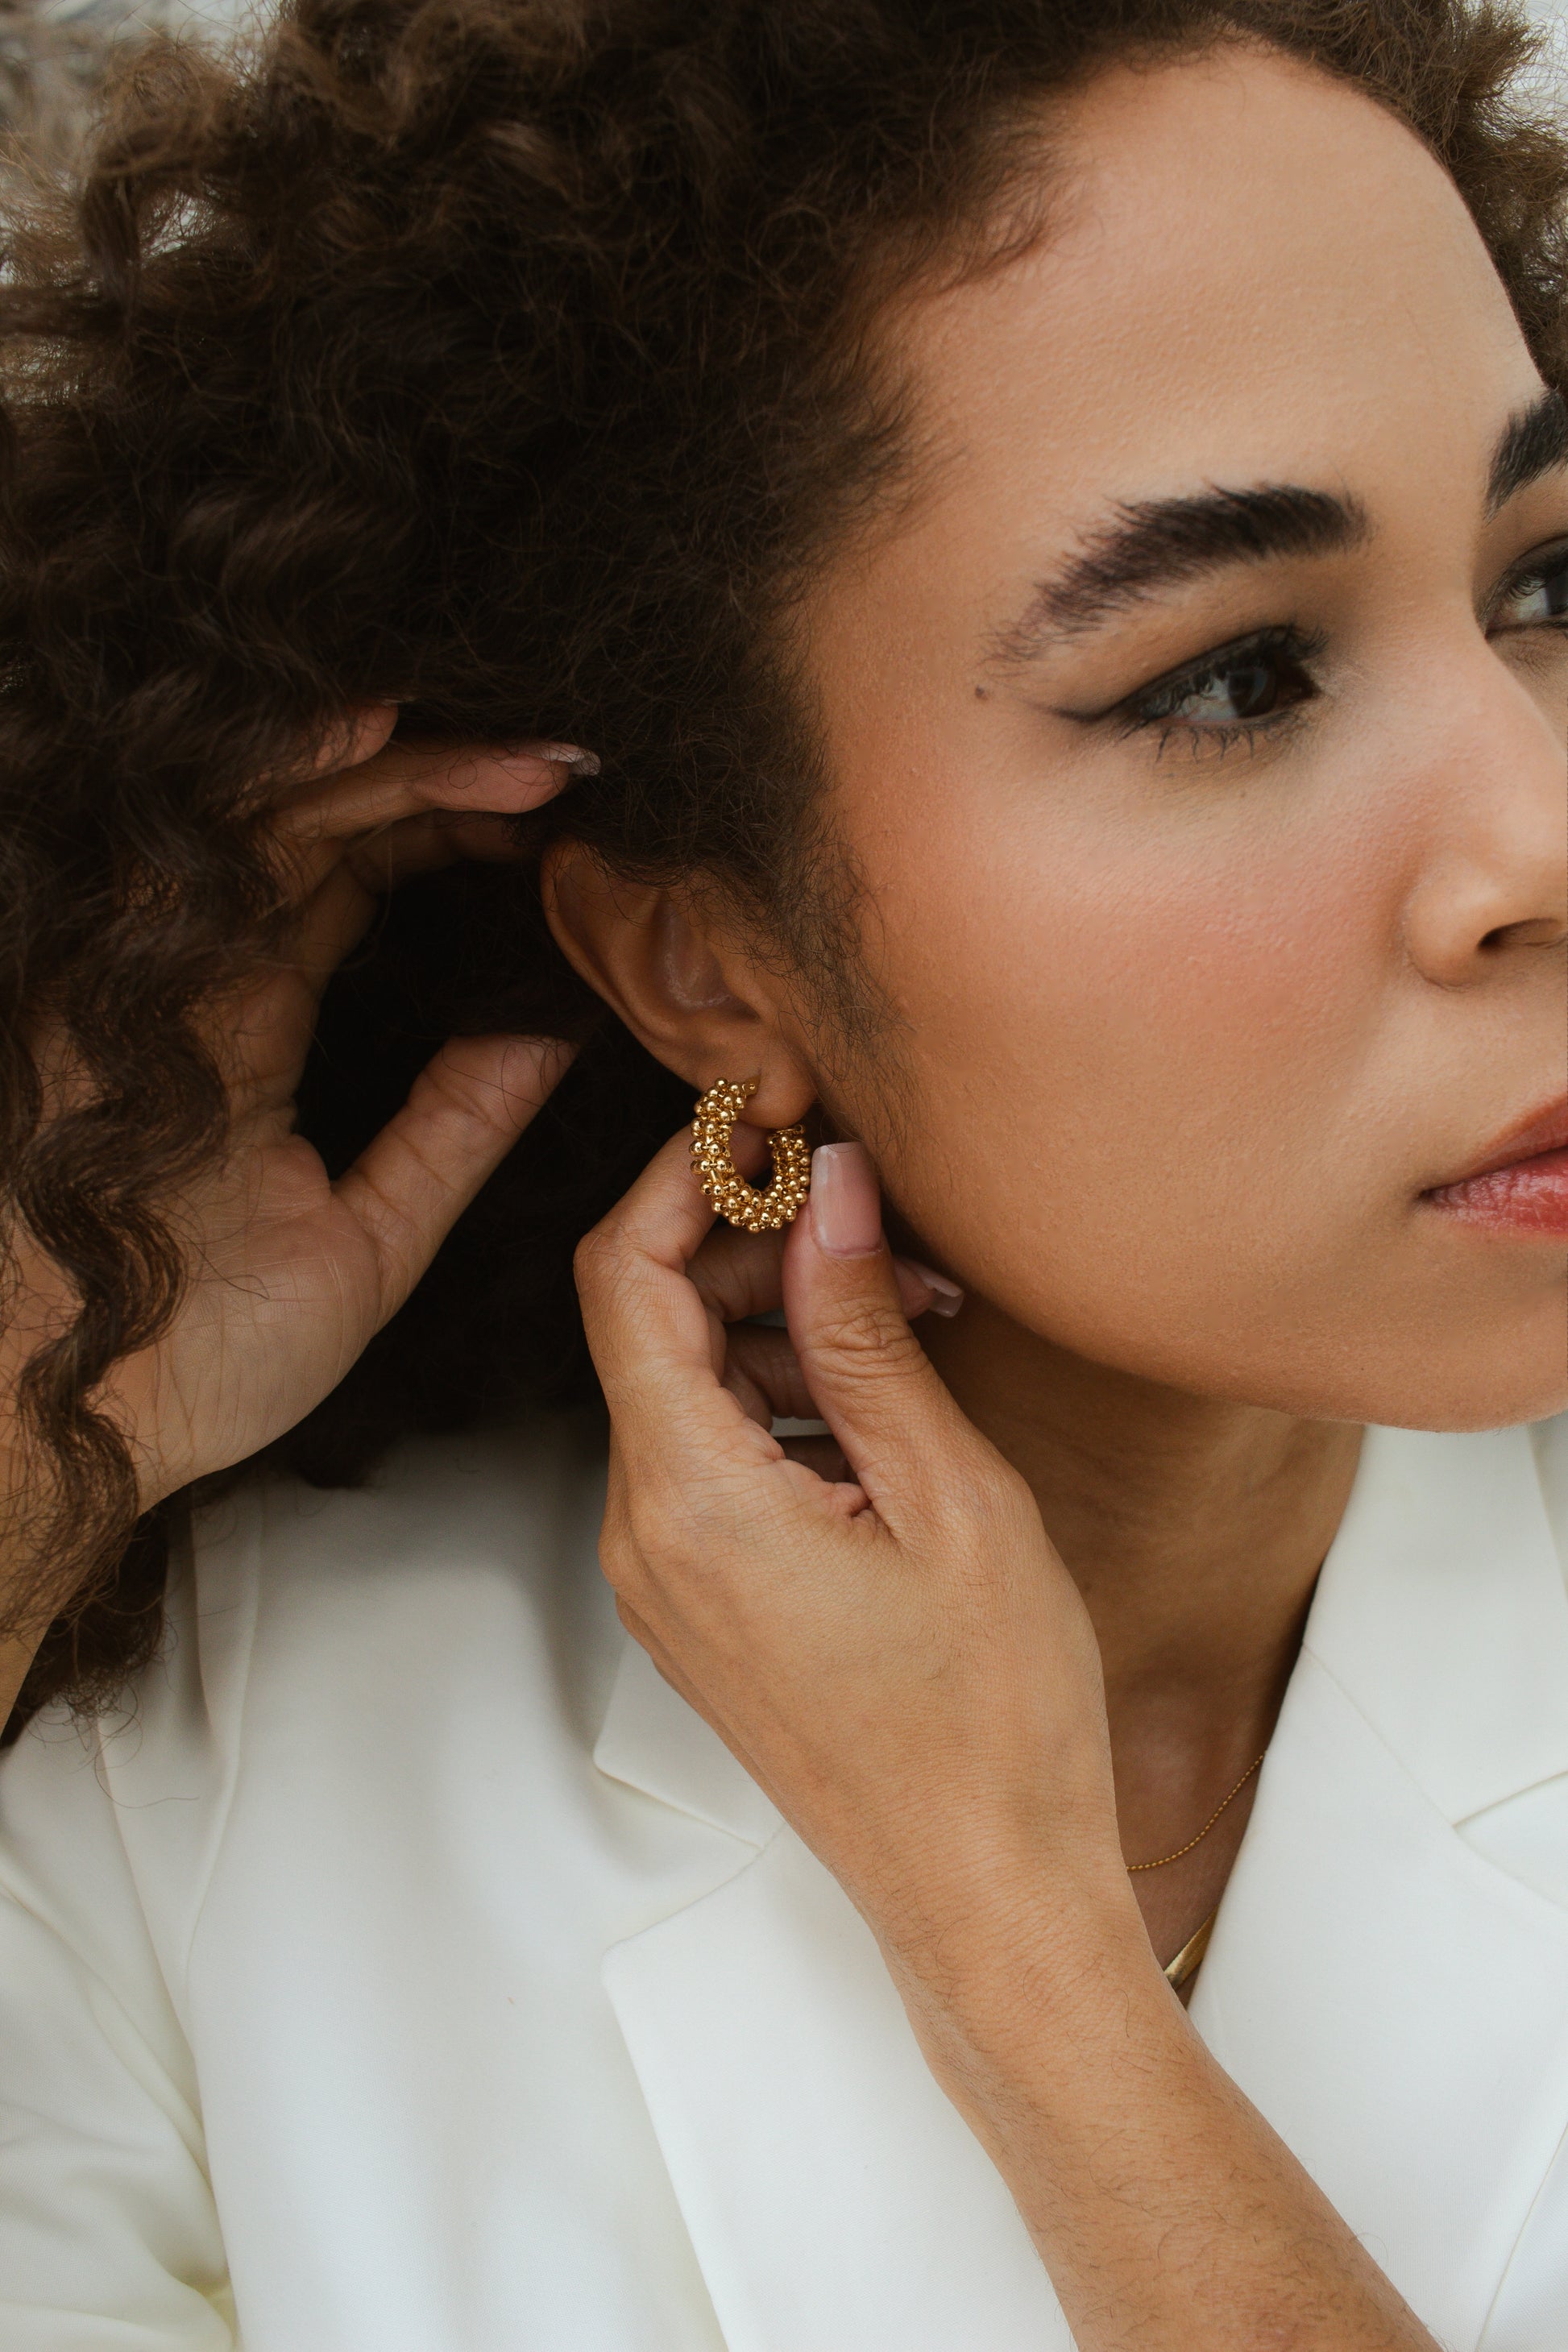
(289, 1274)
(891, 1645)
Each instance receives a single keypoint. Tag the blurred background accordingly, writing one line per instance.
(54, 54)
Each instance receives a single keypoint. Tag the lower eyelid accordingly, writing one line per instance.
(1214, 740)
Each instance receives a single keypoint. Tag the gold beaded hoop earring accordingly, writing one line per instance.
(740, 1203)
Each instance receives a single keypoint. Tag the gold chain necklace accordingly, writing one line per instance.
(1134, 1866)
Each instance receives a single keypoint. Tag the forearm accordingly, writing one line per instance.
(1170, 2216)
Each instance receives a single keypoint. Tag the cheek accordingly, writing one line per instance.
(1148, 1056)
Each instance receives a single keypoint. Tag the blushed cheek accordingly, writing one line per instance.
(1141, 1053)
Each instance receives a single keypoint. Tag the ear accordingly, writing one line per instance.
(680, 979)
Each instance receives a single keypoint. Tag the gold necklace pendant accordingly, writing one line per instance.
(1189, 1960)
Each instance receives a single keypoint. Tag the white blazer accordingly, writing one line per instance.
(413, 1972)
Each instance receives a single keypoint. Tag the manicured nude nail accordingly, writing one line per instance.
(845, 1205)
(946, 1296)
(569, 755)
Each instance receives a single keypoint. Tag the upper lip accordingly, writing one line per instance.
(1546, 1131)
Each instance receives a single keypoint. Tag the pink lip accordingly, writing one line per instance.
(1520, 1184)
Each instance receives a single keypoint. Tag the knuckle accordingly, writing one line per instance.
(984, 1498)
(467, 1090)
(622, 1561)
(866, 1334)
(680, 1529)
(598, 1259)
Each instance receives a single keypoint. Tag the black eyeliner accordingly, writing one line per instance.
(1285, 640)
(1532, 570)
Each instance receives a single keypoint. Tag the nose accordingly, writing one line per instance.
(1495, 884)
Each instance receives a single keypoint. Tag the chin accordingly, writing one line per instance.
(1480, 1383)
(1457, 1366)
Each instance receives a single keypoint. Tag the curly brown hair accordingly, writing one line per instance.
(507, 359)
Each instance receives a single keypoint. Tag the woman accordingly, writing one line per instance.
(990, 576)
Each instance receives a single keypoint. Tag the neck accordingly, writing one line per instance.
(1194, 1527)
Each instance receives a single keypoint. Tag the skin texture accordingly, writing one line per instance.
(1189, 1032)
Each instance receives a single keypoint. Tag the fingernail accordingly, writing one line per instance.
(946, 1296)
(569, 755)
(845, 1205)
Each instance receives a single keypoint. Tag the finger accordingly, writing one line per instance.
(333, 921)
(262, 1037)
(652, 1340)
(737, 1275)
(405, 781)
(359, 735)
(404, 777)
(338, 912)
(465, 1112)
(427, 842)
(872, 1381)
(763, 1374)
(824, 1457)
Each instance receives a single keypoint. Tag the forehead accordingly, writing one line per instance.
(1250, 272)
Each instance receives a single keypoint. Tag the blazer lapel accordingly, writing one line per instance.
(836, 2201)
(1395, 2005)
(653, 1741)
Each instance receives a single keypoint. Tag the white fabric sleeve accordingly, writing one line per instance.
(108, 2236)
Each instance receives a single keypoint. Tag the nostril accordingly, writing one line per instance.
(1545, 931)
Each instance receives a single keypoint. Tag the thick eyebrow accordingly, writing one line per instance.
(1158, 543)
(1530, 444)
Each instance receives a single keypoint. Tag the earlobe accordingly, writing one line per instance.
(682, 987)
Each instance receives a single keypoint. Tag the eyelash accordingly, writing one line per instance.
(1537, 571)
(1154, 706)
(1288, 646)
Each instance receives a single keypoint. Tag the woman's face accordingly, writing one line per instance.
(1201, 739)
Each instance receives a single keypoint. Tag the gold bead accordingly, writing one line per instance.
(742, 1205)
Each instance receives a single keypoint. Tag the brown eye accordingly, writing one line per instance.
(1244, 690)
(1538, 599)
(1242, 686)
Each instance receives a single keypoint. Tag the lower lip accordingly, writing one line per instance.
(1530, 1197)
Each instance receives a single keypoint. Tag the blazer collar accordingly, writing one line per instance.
(1442, 1614)
(1395, 2005)
(653, 1741)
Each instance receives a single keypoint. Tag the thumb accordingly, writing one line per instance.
(868, 1376)
(467, 1108)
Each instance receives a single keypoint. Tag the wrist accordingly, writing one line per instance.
(1033, 1995)
(995, 1940)
(1027, 1873)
